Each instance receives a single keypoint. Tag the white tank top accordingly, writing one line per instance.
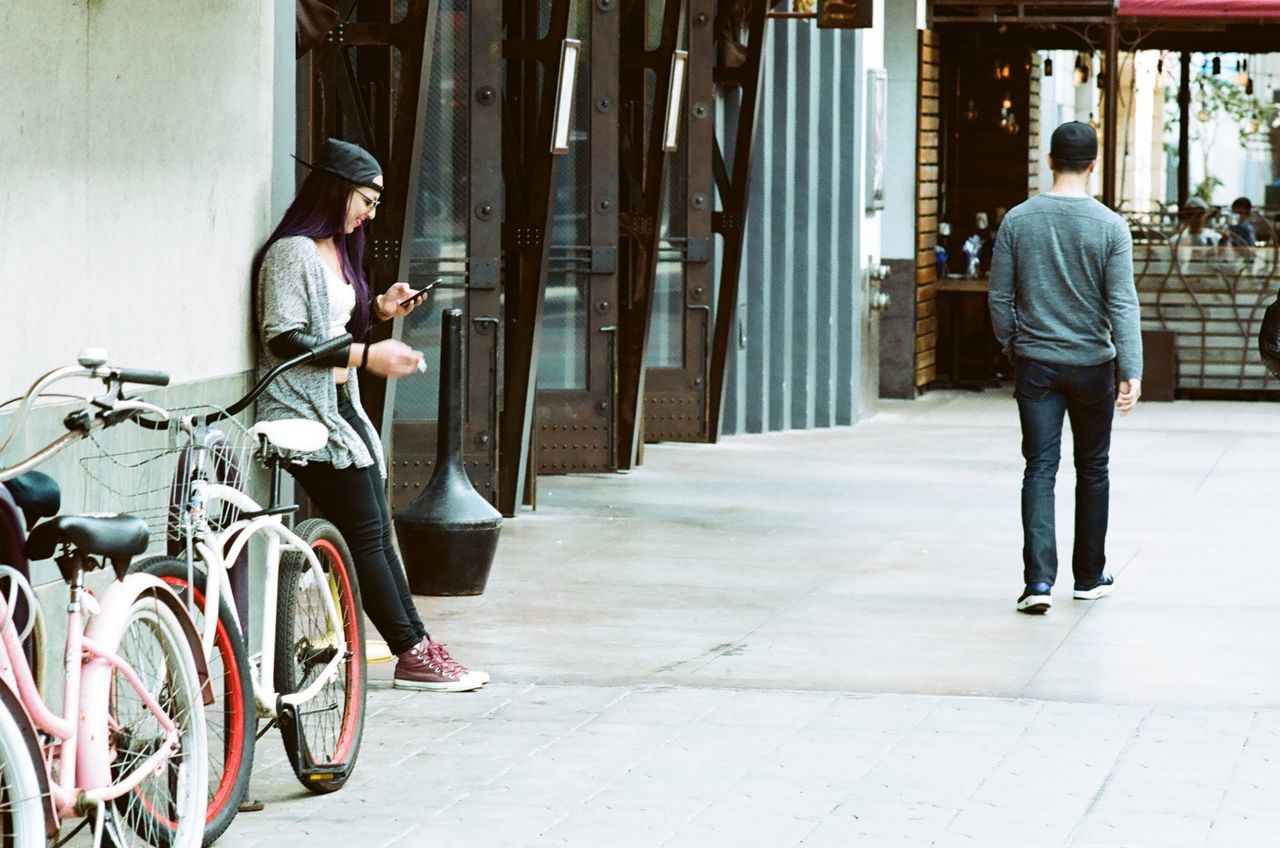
(342, 301)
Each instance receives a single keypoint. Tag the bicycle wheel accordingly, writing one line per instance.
(231, 718)
(22, 821)
(167, 808)
(322, 736)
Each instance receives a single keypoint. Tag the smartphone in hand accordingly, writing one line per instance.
(420, 293)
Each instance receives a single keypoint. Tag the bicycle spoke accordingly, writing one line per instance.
(151, 811)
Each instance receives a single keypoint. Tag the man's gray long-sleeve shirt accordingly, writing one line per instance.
(1061, 288)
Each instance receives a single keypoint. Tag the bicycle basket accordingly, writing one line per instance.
(154, 483)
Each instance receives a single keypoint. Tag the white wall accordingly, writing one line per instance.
(136, 151)
(871, 50)
(902, 23)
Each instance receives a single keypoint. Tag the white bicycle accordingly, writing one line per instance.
(309, 677)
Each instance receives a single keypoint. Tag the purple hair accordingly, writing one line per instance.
(318, 212)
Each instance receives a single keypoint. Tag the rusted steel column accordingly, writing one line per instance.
(642, 215)
(361, 96)
(1184, 130)
(1111, 117)
(730, 222)
(529, 170)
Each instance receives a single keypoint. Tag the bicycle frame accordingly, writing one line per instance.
(208, 547)
(77, 765)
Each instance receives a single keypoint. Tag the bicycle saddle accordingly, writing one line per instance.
(293, 434)
(107, 535)
(37, 494)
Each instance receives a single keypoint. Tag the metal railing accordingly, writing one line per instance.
(1209, 286)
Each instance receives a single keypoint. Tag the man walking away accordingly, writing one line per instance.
(1065, 311)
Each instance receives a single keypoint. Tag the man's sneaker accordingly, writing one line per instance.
(1097, 590)
(421, 667)
(441, 653)
(1035, 599)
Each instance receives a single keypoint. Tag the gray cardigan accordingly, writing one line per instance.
(292, 296)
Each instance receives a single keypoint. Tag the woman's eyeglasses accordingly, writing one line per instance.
(371, 201)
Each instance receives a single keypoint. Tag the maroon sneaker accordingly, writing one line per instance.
(442, 655)
(421, 667)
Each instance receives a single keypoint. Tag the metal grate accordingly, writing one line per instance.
(1021, 11)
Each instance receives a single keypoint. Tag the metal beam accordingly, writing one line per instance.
(529, 171)
(730, 222)
(644, 162)
(1111, 117)
(380, 109)
(1184, 129)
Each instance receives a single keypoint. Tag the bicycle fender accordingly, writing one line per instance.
(105, 628)
(10, 701)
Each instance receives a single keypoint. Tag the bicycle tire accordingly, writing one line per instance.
(303, 624)
(167, 809)
(22, 821)
(232, 717)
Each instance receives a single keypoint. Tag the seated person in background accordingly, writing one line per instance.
(1192, 231)
(1250, 227)
(1242, 233)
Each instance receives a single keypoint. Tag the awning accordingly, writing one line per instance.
(1207, 9)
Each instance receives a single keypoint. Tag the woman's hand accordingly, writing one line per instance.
(391, 358)
(389, 304)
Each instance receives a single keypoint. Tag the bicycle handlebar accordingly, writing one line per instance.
(332, 346)
(239, 406)
(105, 410)
(138, 375)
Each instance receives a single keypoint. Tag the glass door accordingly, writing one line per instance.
(454, 233)
(676, 357)
(574, 421)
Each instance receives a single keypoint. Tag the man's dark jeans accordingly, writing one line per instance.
(1087, 395)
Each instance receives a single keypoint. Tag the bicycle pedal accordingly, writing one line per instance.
(310, 769)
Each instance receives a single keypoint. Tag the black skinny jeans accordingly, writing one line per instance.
(355, 500)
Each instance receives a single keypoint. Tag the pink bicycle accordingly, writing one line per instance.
(127, 751)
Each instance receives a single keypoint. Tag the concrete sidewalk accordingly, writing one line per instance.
(809, 639)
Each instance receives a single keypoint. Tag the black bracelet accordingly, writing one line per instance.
(364, 357)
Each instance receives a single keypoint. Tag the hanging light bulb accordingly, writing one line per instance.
(1008, 120)
(1248, 85)
(1251, 126)
(1048, 66)
(971, 114)
(1217, 65)
(1203, 115)
(1160, 67)
(1242, 73)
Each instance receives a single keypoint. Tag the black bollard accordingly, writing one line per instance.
(449, 533)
